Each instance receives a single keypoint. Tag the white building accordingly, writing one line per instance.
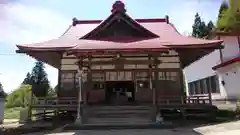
(219, 71)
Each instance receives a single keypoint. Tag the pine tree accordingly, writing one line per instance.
(200, 29)
(28, 79)
(195, 27)
(210, 29)
(40, 83)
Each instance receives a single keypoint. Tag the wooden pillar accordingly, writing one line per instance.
(155, 92)
(182, 84)
(59, 87)
(150, 79)
(89, 80)
(80, 72)
(155, 87)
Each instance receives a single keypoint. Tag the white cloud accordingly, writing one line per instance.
(183, 18)
(183, 15)
(21, 23)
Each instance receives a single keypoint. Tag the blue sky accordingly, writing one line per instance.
(28, 21)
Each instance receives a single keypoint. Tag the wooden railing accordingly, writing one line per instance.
(73, 102)
(184, 100)
(37, 102)
(201, 99)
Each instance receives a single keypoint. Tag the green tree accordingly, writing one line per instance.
(52, 92)
(200, 29)
(40, 83)
(20, 97)
(28, 79)
(223, 9)
(229, 18)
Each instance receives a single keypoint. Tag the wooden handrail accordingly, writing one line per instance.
(55, 101)
(184, 100)
(168, 100)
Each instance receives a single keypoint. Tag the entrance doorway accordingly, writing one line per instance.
(120, 92)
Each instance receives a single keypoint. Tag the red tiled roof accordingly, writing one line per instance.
(168, 36)
(226, 63)
(112, 47)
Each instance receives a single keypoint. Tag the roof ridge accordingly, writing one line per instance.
(149, 20)
(69, 27)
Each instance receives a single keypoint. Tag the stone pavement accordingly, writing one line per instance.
(125, 132)
(231, 128)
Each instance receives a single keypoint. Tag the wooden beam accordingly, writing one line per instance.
(123, 62)
(139, 69)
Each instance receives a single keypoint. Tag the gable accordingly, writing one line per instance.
(119, 24)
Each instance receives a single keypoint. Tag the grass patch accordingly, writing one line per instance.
(12, 113)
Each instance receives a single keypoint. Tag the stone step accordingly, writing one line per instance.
(110, 115)
(119, 111)
(111, 121)
(97, 108)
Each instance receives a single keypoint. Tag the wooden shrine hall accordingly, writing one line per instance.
(119, 62)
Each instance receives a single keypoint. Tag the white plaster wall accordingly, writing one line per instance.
(203, 67)
(231, 76)
(231, 47)
(1, 110)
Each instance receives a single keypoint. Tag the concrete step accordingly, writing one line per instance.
(119, 111)
(109, 115)
(110, 121)
(99, 108)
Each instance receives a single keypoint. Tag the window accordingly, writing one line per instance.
(161, 76)
(192, 88)
(97, 76)
(204, 85)
(214, 84)
(69, 80)
(111, 76)
(142, 75)
(98, 85)
(171, 76)
(197, 86)
(208, 84)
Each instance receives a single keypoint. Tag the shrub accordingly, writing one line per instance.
(19, 98)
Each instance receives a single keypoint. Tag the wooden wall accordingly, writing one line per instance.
(169, 63)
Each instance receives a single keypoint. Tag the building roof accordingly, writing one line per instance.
(168, 36)
(226, 63)
(145, 35)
